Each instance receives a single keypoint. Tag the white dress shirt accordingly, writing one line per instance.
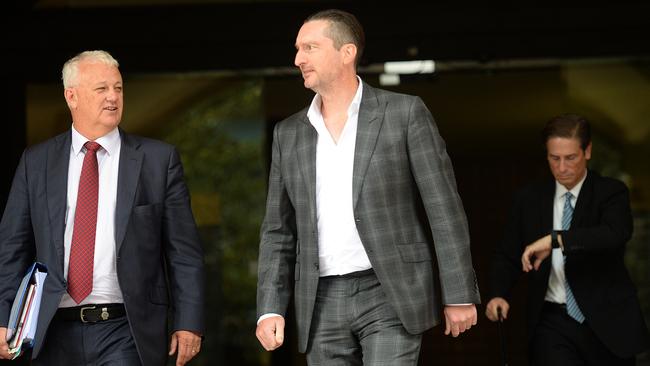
(340, 250)
(339, 246)
(555, 291)
(105, 286)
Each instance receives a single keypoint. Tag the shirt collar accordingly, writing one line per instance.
(109, 142)
(314, 112)
(561, 190)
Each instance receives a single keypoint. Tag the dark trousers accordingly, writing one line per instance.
(353, 324)
(73, 343)
(559, 340)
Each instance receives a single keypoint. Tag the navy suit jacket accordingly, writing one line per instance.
(159, 258)
(594, 247)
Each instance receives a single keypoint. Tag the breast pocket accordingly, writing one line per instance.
(154, 210)
(145, 227)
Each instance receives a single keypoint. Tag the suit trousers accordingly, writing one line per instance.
(353, 324)
(559, 340)
(73, 343)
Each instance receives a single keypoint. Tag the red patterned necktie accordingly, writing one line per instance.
(82, 250)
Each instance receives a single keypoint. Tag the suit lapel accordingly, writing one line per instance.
(127, 182)
(367, 131)
(58, 160)
(306, 139)
(585, 195)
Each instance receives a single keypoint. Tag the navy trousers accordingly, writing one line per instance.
(73, 343)
(559, 340)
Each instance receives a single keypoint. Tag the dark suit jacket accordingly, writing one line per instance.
(158, 251)
(405, 205)
(594, 247)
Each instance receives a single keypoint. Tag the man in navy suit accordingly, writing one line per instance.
(569, 234)
(109, 214)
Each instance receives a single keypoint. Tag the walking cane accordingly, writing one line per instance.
(502, 338)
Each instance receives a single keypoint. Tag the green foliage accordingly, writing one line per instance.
(225, 174)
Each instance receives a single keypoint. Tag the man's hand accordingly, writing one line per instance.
(188, 345)
(540, 249)
(4, 347)
(459, 318)
(270, 332)
(491, 309)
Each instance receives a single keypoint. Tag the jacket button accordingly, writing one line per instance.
(316, 265)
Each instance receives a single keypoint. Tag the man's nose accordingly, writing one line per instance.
(112, 94)
(299, 59)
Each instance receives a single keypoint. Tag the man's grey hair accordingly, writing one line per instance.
(71, 67)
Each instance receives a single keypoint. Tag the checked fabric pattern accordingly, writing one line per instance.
(82, 250)
(571, 304)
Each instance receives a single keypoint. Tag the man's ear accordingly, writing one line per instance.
(70, 97)
(349, 53)
(588, 152)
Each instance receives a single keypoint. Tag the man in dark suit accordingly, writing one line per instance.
(109, 214)
(570, 234)
(361, 194)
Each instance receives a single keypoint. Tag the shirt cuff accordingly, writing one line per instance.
(267, 315)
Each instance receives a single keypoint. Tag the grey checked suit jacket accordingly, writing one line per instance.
(405, 205)
(159, 256)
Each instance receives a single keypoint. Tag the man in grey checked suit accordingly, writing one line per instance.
(361, 193)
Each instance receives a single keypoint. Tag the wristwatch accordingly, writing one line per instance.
(555, 244)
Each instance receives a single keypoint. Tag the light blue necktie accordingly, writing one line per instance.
(571, 305)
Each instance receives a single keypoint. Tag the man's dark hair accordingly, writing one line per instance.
(344, 28)
(568, 126)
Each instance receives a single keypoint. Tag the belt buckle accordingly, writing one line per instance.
(82, 310)
(104, 314)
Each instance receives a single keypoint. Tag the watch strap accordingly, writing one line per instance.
(555, 244)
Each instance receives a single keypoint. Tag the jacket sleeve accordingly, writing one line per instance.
(183, 252)
(613, 223)
(505, 266)
(277, 252)
(434, 176)
(17, 249)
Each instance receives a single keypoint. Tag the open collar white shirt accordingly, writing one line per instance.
(340, 250)
(105, 285)
(556, 292)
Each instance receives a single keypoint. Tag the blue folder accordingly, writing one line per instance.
(23, 318)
